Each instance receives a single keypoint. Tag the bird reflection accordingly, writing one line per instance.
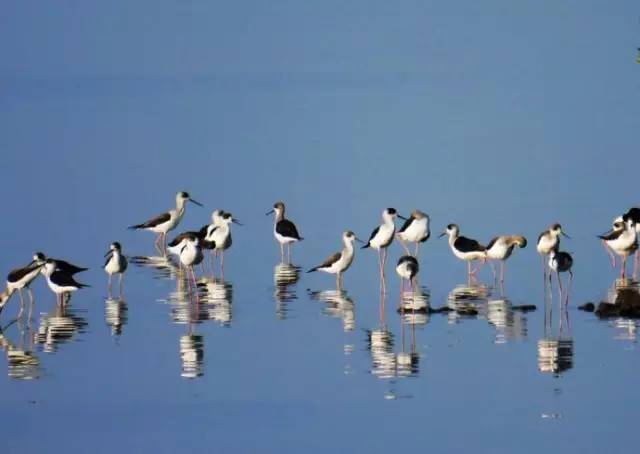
(510, 324)
(388, 364)
(216, 298)
(23, 364)
(116, 315)
(555, 349)
(338, 305)
(59, 326)
(624, 294)
(285, 276)
(163, 266)
(415, 306)
(189, 311)
(467, 300)
(192, 355)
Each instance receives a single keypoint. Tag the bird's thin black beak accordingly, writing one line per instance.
(402, 217)
(108, 252)
(359, 240)
(235, 221)
(565, 235)
(269, 212)
(442, 234)
(196, 203)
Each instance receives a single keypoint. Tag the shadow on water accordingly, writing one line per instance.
(285, 278)
(337, 304)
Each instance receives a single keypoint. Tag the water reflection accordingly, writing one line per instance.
(338, 305)
(192, 355)
(116, 315)
(467, 300)
(59, 327)
(22, 362)
(216, 297)
(415, 306)
(163, 266)
(285, 277)
(388, 361)
(510, 324)
(555, 349)
(624, 296)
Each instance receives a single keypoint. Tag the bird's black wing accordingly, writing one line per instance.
(65, 280)
(327, 263)
(67, 267)
(160, 219)
(16, 275)
(287, 229)
(181, 236)
(611, 235)
(406, 225)
(464, 244)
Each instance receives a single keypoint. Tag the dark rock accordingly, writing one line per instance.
(524, 307)
(440, 310)
(587, 307)
(470, 311)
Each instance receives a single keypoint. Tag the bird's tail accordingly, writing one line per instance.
(365, 246)
(135, 227)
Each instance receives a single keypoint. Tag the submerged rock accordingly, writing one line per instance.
(587, 307)
(626, 304)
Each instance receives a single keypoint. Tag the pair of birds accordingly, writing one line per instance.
(415, 230)
(499, 248)
(215, 237)
(622, 239)
(59, 275)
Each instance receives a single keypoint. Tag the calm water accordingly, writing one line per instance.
(469, 113)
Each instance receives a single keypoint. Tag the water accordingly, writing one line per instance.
(469, 114)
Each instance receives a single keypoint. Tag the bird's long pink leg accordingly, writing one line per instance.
(623, 271)
(611, 256)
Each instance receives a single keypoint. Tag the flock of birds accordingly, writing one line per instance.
(190, 247)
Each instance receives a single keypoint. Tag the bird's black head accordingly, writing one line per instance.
(184, 195)
(391, 211)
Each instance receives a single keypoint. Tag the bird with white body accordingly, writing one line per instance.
(339, 262)
(284, 230)
(381, 238)
(60, 283)
(167, 221)
(116, 263)
(415, 230)
(501, 247)
(465, 248)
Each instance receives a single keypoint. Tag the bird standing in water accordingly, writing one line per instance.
(501, 247)
(415, 230)
(381, 238)
(167, 221)
(284, 230)
(339, 262)
(116, 264)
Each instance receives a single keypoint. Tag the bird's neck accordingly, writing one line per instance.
(279, 216)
